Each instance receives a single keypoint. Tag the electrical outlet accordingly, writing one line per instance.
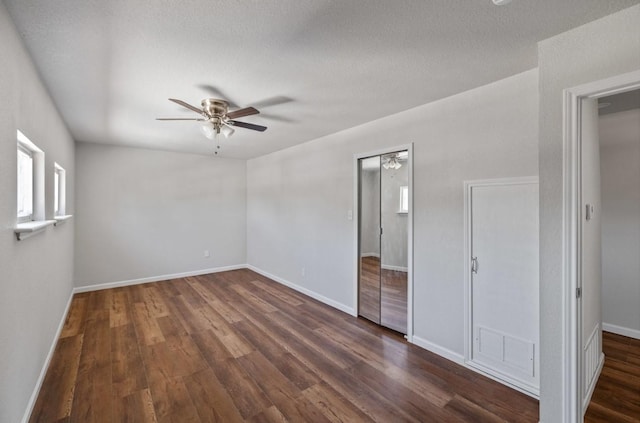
(206, 254)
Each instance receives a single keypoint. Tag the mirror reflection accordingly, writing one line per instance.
(369, 300)
(383, 239)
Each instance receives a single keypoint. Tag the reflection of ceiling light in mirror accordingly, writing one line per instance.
(603, 105)
(391, 163)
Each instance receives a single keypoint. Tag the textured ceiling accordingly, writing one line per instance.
(312, 67)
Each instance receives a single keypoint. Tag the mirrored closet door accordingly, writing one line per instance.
(383, 239)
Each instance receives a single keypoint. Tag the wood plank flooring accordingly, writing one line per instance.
(237, 347)
(617, 394)
(383, 295)
(369, 287)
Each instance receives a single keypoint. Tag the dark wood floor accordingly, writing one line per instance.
(383, 295)
(617, 394)
(235, 346)
(369, 287)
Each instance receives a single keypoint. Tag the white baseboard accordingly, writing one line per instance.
(459, 359)
(303, 290)
(109, 285)
(45, 365)
(620, 330)
(370, 255)
(439, 350)
(396, 268)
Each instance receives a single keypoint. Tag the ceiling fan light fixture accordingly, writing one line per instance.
(208, 130)
(227, 131)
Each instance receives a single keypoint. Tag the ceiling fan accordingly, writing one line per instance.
(217, 118)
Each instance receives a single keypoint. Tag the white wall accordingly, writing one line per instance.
(146, 214)
(620, 172)
(298, 198)
(36, 274)
(594, 51)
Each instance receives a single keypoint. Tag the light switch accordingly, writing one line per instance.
(350, 214)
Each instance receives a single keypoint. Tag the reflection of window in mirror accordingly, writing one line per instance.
(404, 199)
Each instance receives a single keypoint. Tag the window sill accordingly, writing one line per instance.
(62, 219)
(27, 229)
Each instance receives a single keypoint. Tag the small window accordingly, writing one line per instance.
(25, 184)
(404, 199)
(30, 189)
(59, 191)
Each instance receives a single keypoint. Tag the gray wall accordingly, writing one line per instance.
(36, 274)
(394, 238)
(145, 214)
(299, 198)
(620, 172)
(393, 251)
(594, 51)
(370, 213)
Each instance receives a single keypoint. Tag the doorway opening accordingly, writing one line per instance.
(584, 212)
(383, 285)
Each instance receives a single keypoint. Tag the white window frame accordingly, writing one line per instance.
(21, 215)
(38, 209)
(404, 200)
(59, 190)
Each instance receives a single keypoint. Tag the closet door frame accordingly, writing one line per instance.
(356, 236)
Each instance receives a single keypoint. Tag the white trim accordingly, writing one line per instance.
(590, 380)
(459, 359)
(109, 285)
(61, 190)
(439, 350)
(61, 219)
(303, 290)
(45, 365)
(572, 314)
(38, 206)
(468, 315)
(376, 255)
(356, 258)
(621, 330)
(592, 388)
(27, 143)
(26, 229)
(394, 268)
(507, 381)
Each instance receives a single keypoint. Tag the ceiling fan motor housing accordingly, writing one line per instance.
(214, 107)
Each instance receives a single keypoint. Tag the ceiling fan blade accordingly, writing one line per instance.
(217, 93)
(180, 119)
(247, 111)
(187, 105)
(247, 125)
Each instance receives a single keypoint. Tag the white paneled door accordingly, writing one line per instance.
(503, 278)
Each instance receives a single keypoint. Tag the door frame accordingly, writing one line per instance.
(468, 293)
(573, 404)
(356, 224)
